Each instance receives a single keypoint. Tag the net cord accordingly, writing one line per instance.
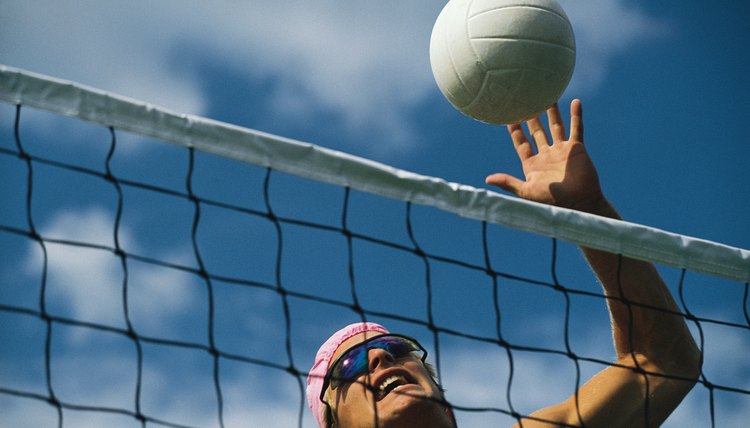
(333, 167)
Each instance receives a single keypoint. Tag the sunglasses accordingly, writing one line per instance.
(354, 362)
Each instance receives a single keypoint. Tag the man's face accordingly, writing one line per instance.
(403, 406)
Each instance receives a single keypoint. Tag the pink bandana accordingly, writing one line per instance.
(323, 360)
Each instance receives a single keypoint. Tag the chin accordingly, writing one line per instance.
(412, 409)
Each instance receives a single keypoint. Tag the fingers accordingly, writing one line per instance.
(520, 142)
(556, 127)
(506, 182)
(556, 124)
(536, 129)
(576, 120)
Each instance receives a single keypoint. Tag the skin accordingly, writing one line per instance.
(404, 407)
(560, 172)
(648, 344)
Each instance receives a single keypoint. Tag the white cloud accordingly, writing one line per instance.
(360, 60)
(477, 375)
(23, 412)
(178, 387)
(725, 364)
(605, 29)
(541, 380)
(722, 365)
(117, 46)
(366, 62)
(86, 283)
(108, 379)
(86, 279)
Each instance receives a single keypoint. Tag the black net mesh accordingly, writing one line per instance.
(150, 285)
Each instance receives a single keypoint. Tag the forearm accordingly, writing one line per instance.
(635, 290)
(657, 360)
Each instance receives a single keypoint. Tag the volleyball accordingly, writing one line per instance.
(502, 61)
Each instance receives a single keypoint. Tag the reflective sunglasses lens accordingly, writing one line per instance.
(353, 365)
(355, 360)
(396, 346)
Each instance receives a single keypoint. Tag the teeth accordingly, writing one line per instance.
(388, 382)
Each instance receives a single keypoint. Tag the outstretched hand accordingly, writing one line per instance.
(559, 173)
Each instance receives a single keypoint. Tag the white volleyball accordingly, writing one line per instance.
(502, 61)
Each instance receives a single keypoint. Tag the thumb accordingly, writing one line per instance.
(505, 182)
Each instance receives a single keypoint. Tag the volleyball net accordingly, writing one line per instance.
(190, 284)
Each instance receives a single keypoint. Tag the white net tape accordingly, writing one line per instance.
(318, 163)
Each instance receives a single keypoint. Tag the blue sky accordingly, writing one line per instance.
(665, 100)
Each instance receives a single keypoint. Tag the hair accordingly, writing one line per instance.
(433, 374)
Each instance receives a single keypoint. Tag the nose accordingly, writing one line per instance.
(379, 358)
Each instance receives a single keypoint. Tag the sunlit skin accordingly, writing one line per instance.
(558, 171)
(355, 405)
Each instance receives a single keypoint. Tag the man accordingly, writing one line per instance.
(365, 377)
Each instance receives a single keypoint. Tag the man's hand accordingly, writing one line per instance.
(560, 173)
(657, 358)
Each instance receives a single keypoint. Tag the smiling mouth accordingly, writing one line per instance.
(389, 384)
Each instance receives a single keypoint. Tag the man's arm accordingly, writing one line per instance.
(646, 340)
